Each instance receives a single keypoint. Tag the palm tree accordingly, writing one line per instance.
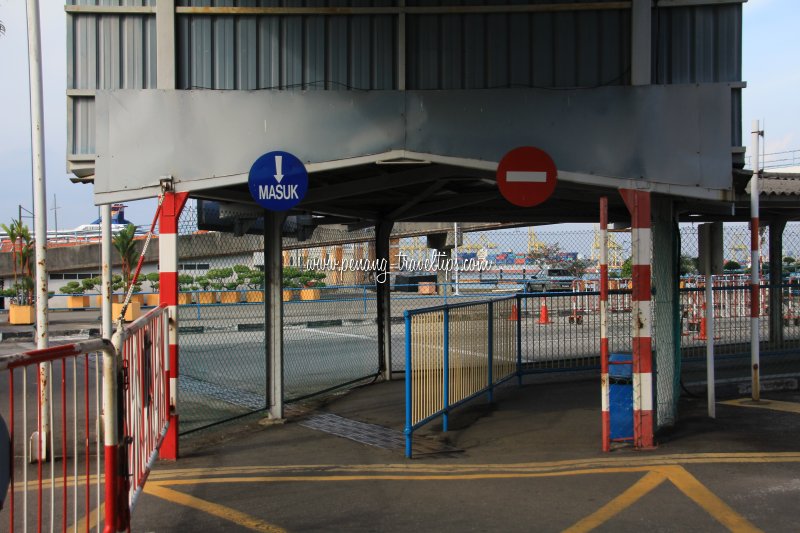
(11, 231)
(126, 247)
(26, 255)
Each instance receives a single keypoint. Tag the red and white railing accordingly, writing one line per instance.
(132, 415)
(144, 346)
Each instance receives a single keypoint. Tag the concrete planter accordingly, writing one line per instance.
(254, 296)
(310, 294)
(229, 297)
(97, 301)
(138, 298)
(288, 295)
(184, 298)
(426, 288)
(151, 300)
(21, 314)
(133, 311)
(77, 301)
(206, 298)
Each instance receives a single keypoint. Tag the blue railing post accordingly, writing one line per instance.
(408, 428)
(446, 370)
(519, 339)
(490, 319)
(365, 301)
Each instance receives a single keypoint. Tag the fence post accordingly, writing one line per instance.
(446, 369)
(519, 340)
(489, 372)
(168, 279)
(111, 437)
(408, 430)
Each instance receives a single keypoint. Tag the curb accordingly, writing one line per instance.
(21, 336)
(259, 326)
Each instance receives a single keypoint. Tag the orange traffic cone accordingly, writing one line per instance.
(543, 318)
(514, 313)
(702, 335)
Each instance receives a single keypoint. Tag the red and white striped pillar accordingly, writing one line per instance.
(171, 208)
(606, 418)
(638, 203)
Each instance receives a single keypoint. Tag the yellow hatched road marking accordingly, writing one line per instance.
(619, 504)
(215, 509)
(773, 405)
(690, 486)
(655, 475)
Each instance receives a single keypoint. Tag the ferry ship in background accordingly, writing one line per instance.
(82, 234)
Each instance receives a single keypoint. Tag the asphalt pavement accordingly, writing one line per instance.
(530, 461)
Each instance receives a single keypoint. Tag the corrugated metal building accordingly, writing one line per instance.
(381, 45)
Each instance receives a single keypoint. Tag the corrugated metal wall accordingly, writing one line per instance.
(477, 51)
(443, 51)
(106, 51)
(271, 52)
(700, 44)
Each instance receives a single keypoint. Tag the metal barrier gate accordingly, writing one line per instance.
(134, 419)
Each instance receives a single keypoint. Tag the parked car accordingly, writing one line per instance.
(550, 280)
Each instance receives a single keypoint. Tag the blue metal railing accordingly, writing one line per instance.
(446, 369)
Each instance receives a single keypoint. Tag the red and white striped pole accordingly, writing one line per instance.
(755, 267)
(171, 208)
(606, 420)
(638, 203)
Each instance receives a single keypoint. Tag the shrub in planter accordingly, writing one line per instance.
(185, 282)
(205, 297)
(75, 295)
(154, 280)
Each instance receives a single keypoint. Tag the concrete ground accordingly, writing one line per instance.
(530, 462)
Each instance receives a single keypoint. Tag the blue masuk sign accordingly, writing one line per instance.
(278, 181)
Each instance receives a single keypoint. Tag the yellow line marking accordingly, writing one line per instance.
(774, 405)
(619, 504)
(691, 487)
(676, 459)
(401, 477)
(226, 513)
(94, 514)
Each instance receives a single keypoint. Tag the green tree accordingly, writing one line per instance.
(125, 245)
(732, 265)
(689, 265)
(627, 268)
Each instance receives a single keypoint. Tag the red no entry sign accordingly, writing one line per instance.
(526, 176)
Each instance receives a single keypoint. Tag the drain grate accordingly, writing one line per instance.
(372, 434)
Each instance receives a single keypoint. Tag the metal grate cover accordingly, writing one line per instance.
(372, 434)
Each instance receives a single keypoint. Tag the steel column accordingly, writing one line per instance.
(638, 203)
(273, 270)
(383, 298)
(776, 228)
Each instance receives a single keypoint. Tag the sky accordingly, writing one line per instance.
(771, 46)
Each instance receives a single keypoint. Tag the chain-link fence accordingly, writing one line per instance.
(330, 312)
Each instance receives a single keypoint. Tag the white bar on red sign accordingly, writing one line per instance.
(520, 176)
